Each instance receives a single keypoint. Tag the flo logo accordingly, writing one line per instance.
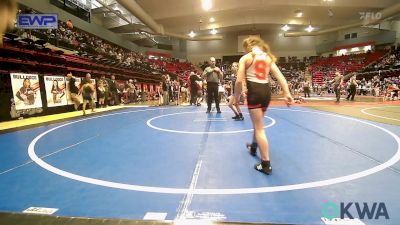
(370, 15)
(376, 210)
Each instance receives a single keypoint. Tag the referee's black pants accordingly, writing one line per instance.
(306, 92)
(212, 93)
(193, 94)
(352, 93)
(336, 88)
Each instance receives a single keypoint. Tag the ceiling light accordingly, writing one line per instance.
(213, 31)
(212, 20)
(330, 13)
(285, 28)
(192, 34)
(206, 4)
(309, 28)
(298, 13)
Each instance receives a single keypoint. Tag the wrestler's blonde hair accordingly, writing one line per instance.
(255, 41)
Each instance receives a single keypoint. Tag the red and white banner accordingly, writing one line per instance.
(26, 91)
(55, 91)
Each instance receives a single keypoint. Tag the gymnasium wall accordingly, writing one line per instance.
(395, 25)
(380, 37)
(292, 46)
(280, 46)
(361, 32)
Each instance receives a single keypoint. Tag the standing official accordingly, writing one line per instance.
(213, 75)
(337, 85)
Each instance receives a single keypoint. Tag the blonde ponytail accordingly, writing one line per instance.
(253, 41)
(266, 49)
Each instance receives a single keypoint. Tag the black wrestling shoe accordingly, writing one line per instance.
(236, 117)
(263, 168)
(252, 149)
(219, 111)
(208, 111)
(241, 117)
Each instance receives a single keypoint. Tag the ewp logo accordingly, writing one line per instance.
(377, 211)
(37, 21)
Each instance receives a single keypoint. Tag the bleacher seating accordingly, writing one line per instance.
(325, 68)
(83, 52)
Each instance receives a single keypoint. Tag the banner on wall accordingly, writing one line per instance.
(26, 91)
(78, 85)
(55, 91)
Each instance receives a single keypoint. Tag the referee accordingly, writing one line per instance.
(337, 84)
(213, 75)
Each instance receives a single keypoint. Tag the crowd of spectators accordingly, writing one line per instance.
(390, 61)
(69, 37)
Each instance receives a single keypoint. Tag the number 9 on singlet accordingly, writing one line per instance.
(261, 69)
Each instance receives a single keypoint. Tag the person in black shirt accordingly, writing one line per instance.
(193, 87)
(87, 90)
(353, 88)
(337, 84)
(165, 87)
(213, 76)
(73, 91)
(235, 107)
(114, 91)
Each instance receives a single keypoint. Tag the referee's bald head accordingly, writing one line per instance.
(212, 61)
